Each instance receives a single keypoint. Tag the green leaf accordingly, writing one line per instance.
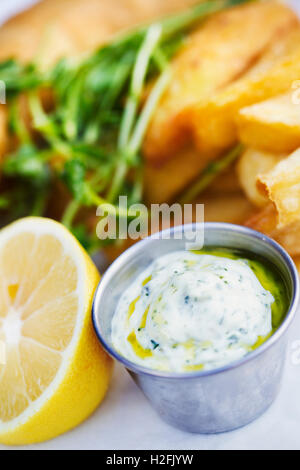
(75, 178)
(4, 202)
(28, 163)
(80, 231)
(18, 78)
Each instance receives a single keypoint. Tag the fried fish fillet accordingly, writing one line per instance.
(54, 28)
(216, 55)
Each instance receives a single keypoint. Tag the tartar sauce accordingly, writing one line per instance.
(193, 311)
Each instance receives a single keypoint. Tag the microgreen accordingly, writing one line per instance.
(89, 137)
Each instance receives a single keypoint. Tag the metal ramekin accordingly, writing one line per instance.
(209, 401)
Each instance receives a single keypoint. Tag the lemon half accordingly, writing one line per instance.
(53, 372)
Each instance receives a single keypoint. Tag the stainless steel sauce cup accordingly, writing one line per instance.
(211, 401)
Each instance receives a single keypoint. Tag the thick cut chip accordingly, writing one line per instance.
(163, 182)
(297, 263)
(282, 186)
(166, 182)
(217, 54)
(265, 221)
(271, 126)
(226, 183)
(214, 125)
(280, 219)
(251, 164)
(228, 208)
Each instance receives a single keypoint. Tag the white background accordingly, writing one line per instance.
(125, 420)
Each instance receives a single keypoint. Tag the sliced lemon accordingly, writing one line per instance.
(53, 372)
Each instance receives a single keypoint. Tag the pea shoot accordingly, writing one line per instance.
(83, 143)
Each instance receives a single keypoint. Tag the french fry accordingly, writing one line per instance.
(297, 263)
(251, 164)
(282, 186)
(195, 109)
(289, 238)
(280, 219)
(214, 123)
(266, 222)
(226, 183)
(229, 208)
(164, 182)
(272, 125)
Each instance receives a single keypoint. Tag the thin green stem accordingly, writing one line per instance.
(18, 124)
(129, 154)
(137, 83)
(148, 111)
(160, 59)
(188, 18)
(43, 124)
(212, 171)
(118, 179)
(70, 213)
(40, 118)
(70, 123)
(137, 192)
(136, 88)
(119, 212)
(39, 205)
